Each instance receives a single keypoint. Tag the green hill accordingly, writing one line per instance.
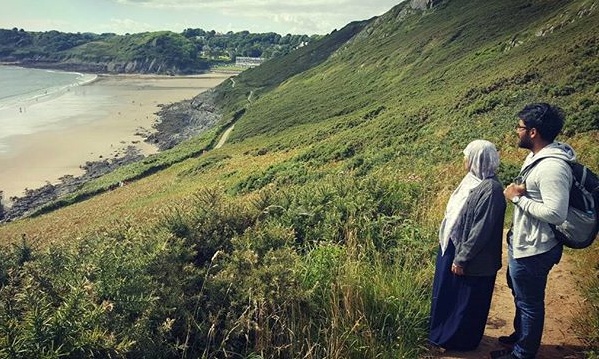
(312, 232)
(164, 52)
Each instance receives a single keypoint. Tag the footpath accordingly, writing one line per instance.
(563, 302)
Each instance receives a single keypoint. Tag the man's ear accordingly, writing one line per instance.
(533, 133)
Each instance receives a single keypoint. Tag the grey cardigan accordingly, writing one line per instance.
(478, 246)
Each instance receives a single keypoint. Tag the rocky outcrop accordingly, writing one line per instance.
(397, 15)
(423, 4)
(183, 120)
(35, 198)
(147, 66)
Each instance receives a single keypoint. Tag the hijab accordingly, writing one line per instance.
(482, 160)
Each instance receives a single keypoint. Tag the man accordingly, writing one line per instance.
(540, 198)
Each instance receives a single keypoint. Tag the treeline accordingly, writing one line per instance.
(267, 45)
(160, 51)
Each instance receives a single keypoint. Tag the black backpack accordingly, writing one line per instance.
(580, 228)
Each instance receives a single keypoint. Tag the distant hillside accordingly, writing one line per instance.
(312, 232)
(165, 52)
(458, 63)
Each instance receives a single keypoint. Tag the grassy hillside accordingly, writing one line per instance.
(312, 232)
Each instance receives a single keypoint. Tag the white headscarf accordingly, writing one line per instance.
(483, 160)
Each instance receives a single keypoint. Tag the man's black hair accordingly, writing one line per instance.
(547, 119)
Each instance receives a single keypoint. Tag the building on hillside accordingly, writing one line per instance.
(249, 61)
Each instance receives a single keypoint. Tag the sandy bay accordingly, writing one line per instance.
(89, 123)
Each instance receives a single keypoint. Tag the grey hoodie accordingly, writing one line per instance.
(546, 201)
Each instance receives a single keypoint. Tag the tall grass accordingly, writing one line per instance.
(588, 323)
(312, 233)
(334, 270)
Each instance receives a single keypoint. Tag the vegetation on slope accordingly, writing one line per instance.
(311, 234)
(191, 51)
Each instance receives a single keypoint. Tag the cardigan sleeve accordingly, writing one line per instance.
(487, 209)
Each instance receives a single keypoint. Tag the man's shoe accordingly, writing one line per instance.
(502, 354)
(508, 340)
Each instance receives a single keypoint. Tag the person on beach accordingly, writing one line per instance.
(540, 197)
(469, 257)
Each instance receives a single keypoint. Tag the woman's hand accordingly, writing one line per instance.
(457, 269)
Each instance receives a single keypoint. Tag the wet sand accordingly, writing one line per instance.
(89, 123)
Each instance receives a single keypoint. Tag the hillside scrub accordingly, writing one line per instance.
(297, 273)
(312, 232)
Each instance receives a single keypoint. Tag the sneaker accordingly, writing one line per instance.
(508, 340)
(502, 354)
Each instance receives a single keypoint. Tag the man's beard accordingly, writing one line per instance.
(525, 142)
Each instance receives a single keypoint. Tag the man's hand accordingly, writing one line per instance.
(514, 190)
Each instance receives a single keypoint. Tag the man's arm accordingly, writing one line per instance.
(554, 180)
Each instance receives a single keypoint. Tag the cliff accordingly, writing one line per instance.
(113, 66)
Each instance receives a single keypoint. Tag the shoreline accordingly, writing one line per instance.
(95, 121)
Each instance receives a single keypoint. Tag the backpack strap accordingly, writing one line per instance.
(588, 199)
(526, 170)
(581, 184)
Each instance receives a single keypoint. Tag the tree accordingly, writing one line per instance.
(193, 33)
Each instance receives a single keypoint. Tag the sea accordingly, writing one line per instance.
(21, 89)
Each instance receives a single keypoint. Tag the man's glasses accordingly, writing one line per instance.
(518, 127)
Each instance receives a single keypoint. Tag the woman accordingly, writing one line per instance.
(469, 256)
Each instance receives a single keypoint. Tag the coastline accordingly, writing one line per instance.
(92, 122)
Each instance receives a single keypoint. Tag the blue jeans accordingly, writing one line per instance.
(527, 277)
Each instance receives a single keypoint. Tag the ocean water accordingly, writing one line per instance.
(22, 90)
(21, 86)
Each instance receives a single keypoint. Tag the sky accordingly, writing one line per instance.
(134, 16)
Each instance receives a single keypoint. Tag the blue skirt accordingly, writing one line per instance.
(460, 306)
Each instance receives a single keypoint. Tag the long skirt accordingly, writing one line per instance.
(460, 306)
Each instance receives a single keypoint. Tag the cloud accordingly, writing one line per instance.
(300, 16)
(46, 24)
(269, 5)
(122, 26)
(229, 3)
(131, 16)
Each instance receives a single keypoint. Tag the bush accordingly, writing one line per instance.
(329, 269)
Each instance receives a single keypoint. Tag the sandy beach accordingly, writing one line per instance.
(89, 123)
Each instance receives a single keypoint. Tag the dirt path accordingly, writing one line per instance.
(562, 302)
(224, 137)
